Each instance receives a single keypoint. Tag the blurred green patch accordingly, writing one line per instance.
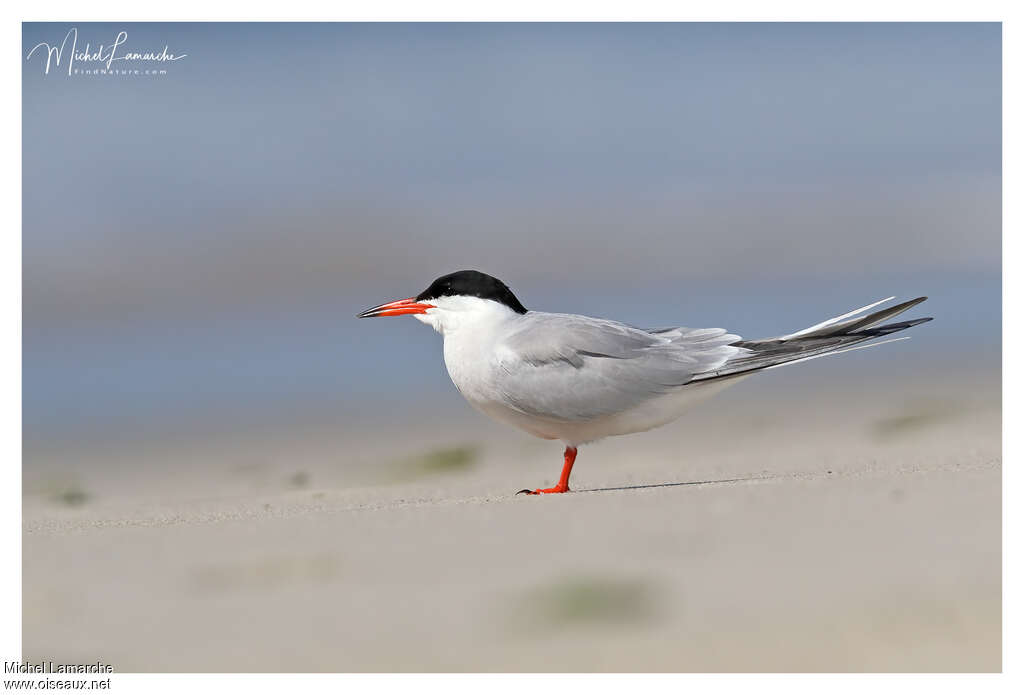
(914, 419)
(433, 462)
(72, 496)
(65, 491)
(590, 601)
(299, 479)
(458, 458)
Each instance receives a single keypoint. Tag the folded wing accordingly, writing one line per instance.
(563, 367)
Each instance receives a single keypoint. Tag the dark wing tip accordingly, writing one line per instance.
(909, 303)
(891, 327)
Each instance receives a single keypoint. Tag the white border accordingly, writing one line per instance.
(191, 10)
(10, 357)
(523, 10)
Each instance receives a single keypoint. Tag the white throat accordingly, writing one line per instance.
(453, 314)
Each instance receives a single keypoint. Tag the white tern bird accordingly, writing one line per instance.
(579, 379)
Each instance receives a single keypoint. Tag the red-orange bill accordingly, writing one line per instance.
(397, 308)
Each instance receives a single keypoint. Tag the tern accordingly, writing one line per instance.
(580, 379)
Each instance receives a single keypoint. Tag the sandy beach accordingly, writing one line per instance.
(790, 526)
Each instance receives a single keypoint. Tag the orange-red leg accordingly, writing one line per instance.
(563, 481)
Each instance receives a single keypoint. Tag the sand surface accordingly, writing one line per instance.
(807, 528)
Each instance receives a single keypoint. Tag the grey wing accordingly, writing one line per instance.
(828, 337)
(564, 367)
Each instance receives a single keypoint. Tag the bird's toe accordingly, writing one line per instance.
(545, 491)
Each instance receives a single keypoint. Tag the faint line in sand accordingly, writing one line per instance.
(298, 510)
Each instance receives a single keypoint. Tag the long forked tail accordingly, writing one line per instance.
(831, 337)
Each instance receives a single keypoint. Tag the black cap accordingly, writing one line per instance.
(472, 283)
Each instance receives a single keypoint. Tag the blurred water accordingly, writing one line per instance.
(248, 369)
(195, 246)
